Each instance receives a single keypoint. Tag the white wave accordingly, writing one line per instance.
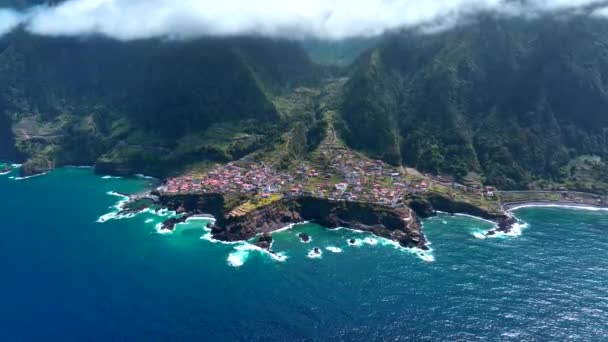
(149, 221)
(201, 218)
(111, 177)
(78, 166)
(139, 175)
(426, 255)
(106, 217)
(476, 218)
(165, 212)
(118, 207)
(32, 176)
(242, 252)
(16, 165)
(566, 206)
(334, 249)
(114, 216)
(117, 194)
(371, 241)
(515, 231)
(315, 255)
(288, 227)
(237, 259)
(159, 229)
(209, 237)
(351, 230)
(479, 235)
(444, 222)
(5, 173)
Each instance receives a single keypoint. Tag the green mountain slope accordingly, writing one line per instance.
(514, 100)
(147, 106)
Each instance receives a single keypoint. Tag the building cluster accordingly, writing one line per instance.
(231, 178)
(340, 174)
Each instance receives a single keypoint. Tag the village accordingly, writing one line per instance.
(333, 173)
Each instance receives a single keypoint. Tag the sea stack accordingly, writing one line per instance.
(265, 241)
(304, 237)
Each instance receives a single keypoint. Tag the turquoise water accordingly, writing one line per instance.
(67, 277)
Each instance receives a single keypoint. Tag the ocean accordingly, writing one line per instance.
(68, 277)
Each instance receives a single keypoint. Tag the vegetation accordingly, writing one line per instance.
(150, 106)
(518, 104)
(514, 100)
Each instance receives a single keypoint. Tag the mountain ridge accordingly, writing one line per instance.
(509, 102)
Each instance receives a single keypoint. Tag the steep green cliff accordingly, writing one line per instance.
(147, 106)
(511, 99)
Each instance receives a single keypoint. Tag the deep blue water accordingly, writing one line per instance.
(66, 277)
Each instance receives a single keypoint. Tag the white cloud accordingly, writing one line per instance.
(8, 21)
(135, 19)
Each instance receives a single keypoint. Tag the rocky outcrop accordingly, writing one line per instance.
(169, 225)
(398, 224)
(265, 241)
(264, 220)
(35, 166)
(428, 206)
(194, 204)
(505, 224)
(304, 237)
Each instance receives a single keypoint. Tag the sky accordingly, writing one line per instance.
(325, 19)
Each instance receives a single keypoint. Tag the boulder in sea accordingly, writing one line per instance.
(352, 242)
(304, 237)
(265, 241)
(316, 250)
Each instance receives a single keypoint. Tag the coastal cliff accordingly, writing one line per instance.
(398, 224)
(429, 205)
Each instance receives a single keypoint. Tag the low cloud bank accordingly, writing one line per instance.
(8, 20)
(324, 19)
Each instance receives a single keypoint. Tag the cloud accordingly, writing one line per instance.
(331, 19)
(8, 20)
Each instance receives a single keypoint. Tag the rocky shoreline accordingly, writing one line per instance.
(398, 224)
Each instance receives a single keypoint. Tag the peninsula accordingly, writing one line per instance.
(333, 186)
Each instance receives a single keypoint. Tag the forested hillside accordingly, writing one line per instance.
(511, 99)
(147, 106)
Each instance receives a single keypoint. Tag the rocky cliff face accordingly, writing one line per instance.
(212, 204)
(398, 224)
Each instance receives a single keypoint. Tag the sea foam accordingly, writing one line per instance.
(111, 177)
(313, 255)
(32, 176)
(139, 175)
(515, 231)
(567, 206)
(243, 251)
